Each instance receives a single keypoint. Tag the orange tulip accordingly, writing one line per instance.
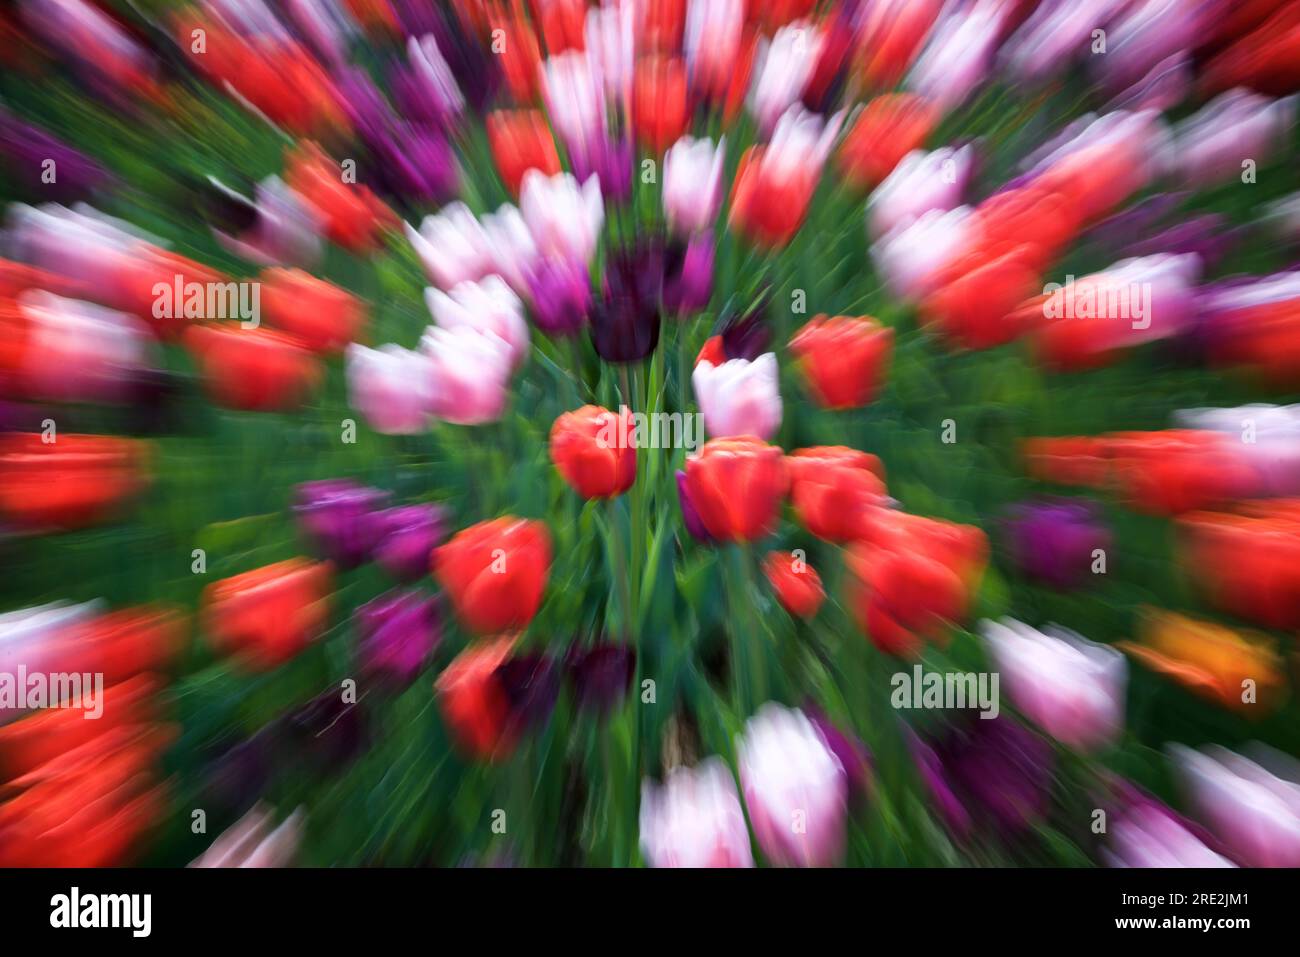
(256, 370)
(843, 359)
(736, 486)
(520, 141)
(495, 572)
(887, 129)
(268, 615)
(660, 108)
(593, 449)
(474, 703)
(797, 585)
(71, 482)
(835, 490)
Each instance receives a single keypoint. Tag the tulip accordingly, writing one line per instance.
(775, 183)
(322, 316)
(835, 490)
(415, 164)
(781, 71)
(1070, 687)
(391, 387)
(739, 397)
(1146, 833)
(29, 148)
(531, 683)
(795, 788)
(1206, 236)
(694, 819)
(1148, 32)
(351, 214)
(575, 102)
(471, 374)
(563, 217)
(521, 57)
(396, 634)
(712, 44)
(609, 159)
(410, 534)
(73, 482)
(514, 254)
(253, 370)
(436, 82)
(268, 615)
(29, 635)
(840, 39)
(1252, 806)
(892, 34)
(1056, 34)
(690, 518)
(848, 749)
(660, 108)
(601, 675)
(560, 293)
(796, 584)
(994, 768)
(1275, 433)
(688, 275)
(486, 306)
(745, 336)
(253, 841)
(594, 451)
(276, 228)
(1212, 144)
(844, 360)
(240, 772)
(520, 141)
(494, 573)
(959, 55)
(609, 36)
(736, 486)
(473, 701)
(913, 256)
(919, 183)
(1246, 564)
(453, 247)
(327, 733)
(341, 518)
(1055, 541)
(625, 322)
(693, 184)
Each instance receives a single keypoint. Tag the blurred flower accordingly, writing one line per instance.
(487, 305)
(494, 573)
(712, 44)
(833, 490)
(575, 102)
(843, 359)
(410, 535)
(276, 228)
(1070, 687)
(693, 183)
(433, 74)
(1056, 34)
(1054, 540)
(73, 482)
(594, 451)
(775, 183)
(325, 318)
(327, 733)
(660, 107)
(919, 183)
(31, 153)
(690, 517)
(1252, 806)
(520, 141)
(609, 36)
(352, 216)
(609, 159)
(563, 217)
(1146, 32)
(848, 748)
(625, 320)
(453, 246)
(341, 518)
(958, 57)
(694, 818)
(391, 387)
(913, 255)
(1145, 833)
(396, 635)
(688, 275)
(739, 397)
(1212, 145)
(796, 584)
(782, 69)
(601, 674)
(268, 615)
(473, 701)
(560, 292)
(253, 370)
(735, 485)
(253, 841)
(531, 683)
(471, 373)
(893, 32)
(744, 336)
(795, 788)
(520, 56)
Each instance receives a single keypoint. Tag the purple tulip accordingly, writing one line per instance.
(28, 148)
(749, 335)
(532, 686)
(609, 158)
(396, 634)
(852, 753)
(1207, 235)
(410, 534)
(326, 732)
(625, 322)
(690, 517)
(601, 675)
(688, 275)
(1146, 833)
(1052, 540)
(560, 293)
(243, 771)
(341, 519)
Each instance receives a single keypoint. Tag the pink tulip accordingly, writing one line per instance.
(1150, 835)
(739, 397)
(391, 387)
(487, 305)
(959, 55)
(1058, 33)
(795, 788)
(711, 41)
(911, 256)
(254, 841)
(919, 183)
(1273, 449)
(693, 184)
(1147, 32)
(1215, 142)
(610, 37)
(563, 217)
(694, 819)
(471, 374)
(514, 254)
(575, 101)
(28, 636)
(781, 71)
(1070, 687)
(453, 246)
(1253, 809)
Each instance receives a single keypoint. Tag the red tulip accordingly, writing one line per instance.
(268, 615)
(521, 58)
(736, 486)
(562, 23)
(474, 703)
(256, 370)
(660, 109)
(835, 490)
(72, 482)
(887, 129)
(843, 359)
(593, 449)
(495, 572)
(319, 314)
(520, 141)
(353, 216)
(797, 585)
